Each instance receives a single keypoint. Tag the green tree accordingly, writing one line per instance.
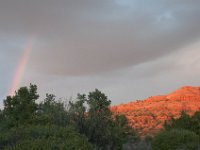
(25, 124)
(52, 112)
(99, 120)
(103, 128)
(77, 113)
(196, 123)
(21, 108)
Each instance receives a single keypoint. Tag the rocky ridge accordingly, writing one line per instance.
(148, 116)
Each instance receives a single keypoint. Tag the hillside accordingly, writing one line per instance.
(148, 116)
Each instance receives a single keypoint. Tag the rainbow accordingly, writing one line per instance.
(19, 72)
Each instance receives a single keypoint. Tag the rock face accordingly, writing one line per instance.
(148, 116)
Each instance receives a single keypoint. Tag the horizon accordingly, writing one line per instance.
(128, 49)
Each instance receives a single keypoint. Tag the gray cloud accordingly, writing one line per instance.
(130, 49)
(157, 77)
(84, 37)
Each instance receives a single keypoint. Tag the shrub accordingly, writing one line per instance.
(43, 138)
(176, 139)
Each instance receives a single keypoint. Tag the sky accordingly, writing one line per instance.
(128, 49)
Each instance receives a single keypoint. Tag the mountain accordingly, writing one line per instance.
(148, 116)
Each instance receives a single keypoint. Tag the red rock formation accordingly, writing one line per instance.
(148, 116)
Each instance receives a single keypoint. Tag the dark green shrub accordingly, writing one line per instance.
(43, 138)
(176, 139)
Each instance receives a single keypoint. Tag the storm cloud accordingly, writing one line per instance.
(96, 41)
(83, 37)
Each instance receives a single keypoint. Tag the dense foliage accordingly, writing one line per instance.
(21, 108)
(43, 138)
(176, 140)
(185, 121)
(102, 128)
(179, 134)
(84, 124)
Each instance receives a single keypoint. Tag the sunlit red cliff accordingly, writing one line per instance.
(148, 116)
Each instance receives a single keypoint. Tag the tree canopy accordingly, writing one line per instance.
(85, 123)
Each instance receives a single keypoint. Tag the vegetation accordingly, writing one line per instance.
(84, 124)
(176, 139)
(179, 134)
(43, 138)
(191, 123)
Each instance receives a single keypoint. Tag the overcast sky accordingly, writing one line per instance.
(129, 49)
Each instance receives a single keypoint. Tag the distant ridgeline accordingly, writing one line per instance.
(148, 116)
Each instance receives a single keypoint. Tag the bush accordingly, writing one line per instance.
(186, 122)
(176, 139)
(43, 138)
